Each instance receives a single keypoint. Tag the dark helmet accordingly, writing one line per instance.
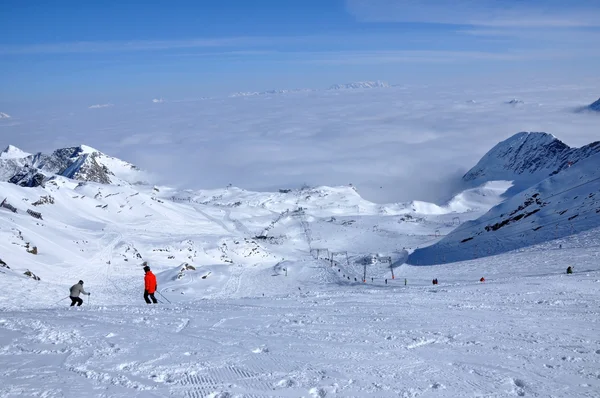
(146, 268)
(81, 282)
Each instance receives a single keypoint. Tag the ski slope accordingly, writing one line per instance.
(252, 304)
(524, 332)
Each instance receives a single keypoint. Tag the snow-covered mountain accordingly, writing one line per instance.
(267, 92)
(81, 163)
(561, 205)
(4, 116)
(360, 85)
(527, 158)
(12, 152)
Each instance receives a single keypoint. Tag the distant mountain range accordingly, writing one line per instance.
(345, 86)
(268, 92)
(360, 85)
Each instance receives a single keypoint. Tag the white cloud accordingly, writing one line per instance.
(412, 141)
(494, 13)
(116, 46)
(98, 106)
(158, 45)
(429, 56)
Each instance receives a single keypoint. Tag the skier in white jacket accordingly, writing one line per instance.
(74, 294)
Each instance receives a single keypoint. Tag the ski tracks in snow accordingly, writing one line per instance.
(382, 342)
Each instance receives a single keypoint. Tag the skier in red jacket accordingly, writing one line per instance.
(150, 286)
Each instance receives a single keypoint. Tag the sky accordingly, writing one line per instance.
(75, 72)
(117, 50)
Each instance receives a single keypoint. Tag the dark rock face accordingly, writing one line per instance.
(595, 106)
(29, 178)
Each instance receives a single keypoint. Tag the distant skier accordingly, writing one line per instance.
(74, 294)
(569, 270)
(150, 286)
(482, 279)
(435, 281)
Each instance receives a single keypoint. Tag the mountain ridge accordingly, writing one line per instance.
(556, 207)
(527, 158)
(82, 163)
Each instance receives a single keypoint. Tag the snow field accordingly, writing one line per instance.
(532, 335)
(270, 320)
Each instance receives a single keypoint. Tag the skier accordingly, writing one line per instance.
(74, 294)
(149, 285)
(482, 279)
(569, 270)
(435, 281)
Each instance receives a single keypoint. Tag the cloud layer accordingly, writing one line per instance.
(394, 144)
(491, 13)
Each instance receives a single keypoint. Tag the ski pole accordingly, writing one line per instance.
(61, 300)
(161, 295)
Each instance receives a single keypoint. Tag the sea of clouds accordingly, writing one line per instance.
(395, 144)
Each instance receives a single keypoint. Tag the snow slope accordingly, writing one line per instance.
(12, 152)
(12, 161)
(526, 331)
(561, 205)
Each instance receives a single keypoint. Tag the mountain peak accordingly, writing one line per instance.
(87, 149)
(527, 157)
(12, 152)
(595, 106)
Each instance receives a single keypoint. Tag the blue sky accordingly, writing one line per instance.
(112, 50)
